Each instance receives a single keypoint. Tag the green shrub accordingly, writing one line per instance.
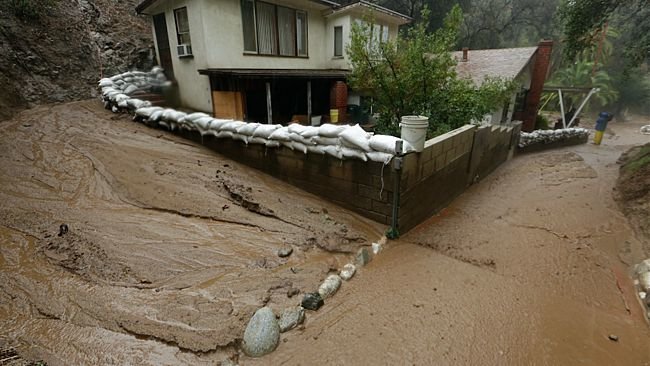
(542, 123)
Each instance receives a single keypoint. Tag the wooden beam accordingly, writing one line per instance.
(269, 111)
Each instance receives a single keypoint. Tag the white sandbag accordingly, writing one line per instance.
(232, 126)
(248, 129)
(303, 140)
(281, 134)
(146, 112)
(115, 109)
(316, 149)
(332, 150)
(288, 144)
(270, 143)
(137, 103)
(107, 90)
(320, 140)
(349, 153)
(202, 123)
(124, 103)
(379, 157)
(330, 130)
(239, 137)
(178, 116)
(356, 138)
(296, 128)
(164, 124)
(156, 115)
(121, 97)
(192, 117)
(384, 143)
(265, 131)
(167, 114)
(217, 123)
(105, 82)
(130, 89)
(297, 146)
(257, 140)
(224, 135)
(310, 131)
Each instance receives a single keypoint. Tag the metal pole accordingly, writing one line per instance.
(591, 92)
(397, 168)
(269, 112)
(309, 102)
(559, 93)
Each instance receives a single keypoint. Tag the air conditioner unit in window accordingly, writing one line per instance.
(184, 50)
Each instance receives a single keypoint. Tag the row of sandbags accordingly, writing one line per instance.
(117, 89)
(340, 141)
(550, 136)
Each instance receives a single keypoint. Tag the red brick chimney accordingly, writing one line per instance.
(541, 61)
(465, 54)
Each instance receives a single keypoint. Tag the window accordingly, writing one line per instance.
(182, 26)
(274, 30)
(338, 41)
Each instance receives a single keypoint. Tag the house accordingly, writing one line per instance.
(263, 61)
(527, 66)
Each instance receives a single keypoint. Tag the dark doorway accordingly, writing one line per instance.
(164, 51)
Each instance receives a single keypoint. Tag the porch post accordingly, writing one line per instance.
(309, 102)
(269, 112)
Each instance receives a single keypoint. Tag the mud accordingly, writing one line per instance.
(170, 247)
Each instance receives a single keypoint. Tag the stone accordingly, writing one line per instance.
(363, 257)
(228, 362)
(285, 252)
(262, 333)
(613, 337)
(348, 271)
(292, 292)
(291, 317)
(312, 301)
(644, 281)
(643, 267)
(376, 248)
(329, 286)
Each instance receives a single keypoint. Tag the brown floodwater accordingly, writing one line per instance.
(163, 265)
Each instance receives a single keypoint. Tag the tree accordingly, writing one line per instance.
(416, 75)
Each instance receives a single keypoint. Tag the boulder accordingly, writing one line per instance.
(291, 317)
(363, 257)
(312, 301)
(348, 271)
(262, 333)
(329, 286)
(285, 252)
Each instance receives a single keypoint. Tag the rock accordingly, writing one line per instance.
(613, 337)
(227, 362)
(291, 317)
(644, 281)
(262, 333)
(376, 248)
(312, 301)
(348, 271)
(643, 267)
(292, 292)
(363, 257)
(285, 252)
(329, 286)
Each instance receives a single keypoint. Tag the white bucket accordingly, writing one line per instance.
(414, 131)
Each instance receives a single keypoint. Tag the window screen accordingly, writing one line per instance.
(338, 41)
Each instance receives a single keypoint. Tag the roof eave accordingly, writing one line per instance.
(140, 8)
(401, 18)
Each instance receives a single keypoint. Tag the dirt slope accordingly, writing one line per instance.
(60, 55)
(633, 187)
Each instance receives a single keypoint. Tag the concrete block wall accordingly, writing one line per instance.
(429, 180)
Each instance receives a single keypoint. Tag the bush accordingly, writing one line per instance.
(30, 9)
(542, 123)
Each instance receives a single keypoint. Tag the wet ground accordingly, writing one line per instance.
(171, 248)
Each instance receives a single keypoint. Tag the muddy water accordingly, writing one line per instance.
(164, 262)
(529, 267)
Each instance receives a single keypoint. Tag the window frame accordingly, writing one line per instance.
(178, 32)
(340, 54)
(296, 41)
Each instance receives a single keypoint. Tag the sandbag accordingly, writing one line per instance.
(192, 117)
(379, 157)
(272, 143)
(130, 89)
(316, 149)
(105, 82)
(296, 128)
(281, 134)
(299, 138)
(334, 151)
(216, 124)
(146, 112)
(310, 131)
(349, 153)
(265, 131)
(288, 144)
(257, 140)
(156, 115)
(330, 130)
(383, 143)
(248, 129)
(299, 147)
(202, 123)
(232, 126)
(355, 137)
(224, 135)
(320, 140)
(240, 137)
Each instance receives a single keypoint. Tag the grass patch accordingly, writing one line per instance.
(639, 160)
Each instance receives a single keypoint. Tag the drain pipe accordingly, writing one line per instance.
(393, 232)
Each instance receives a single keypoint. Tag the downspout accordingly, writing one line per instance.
(393, 232)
